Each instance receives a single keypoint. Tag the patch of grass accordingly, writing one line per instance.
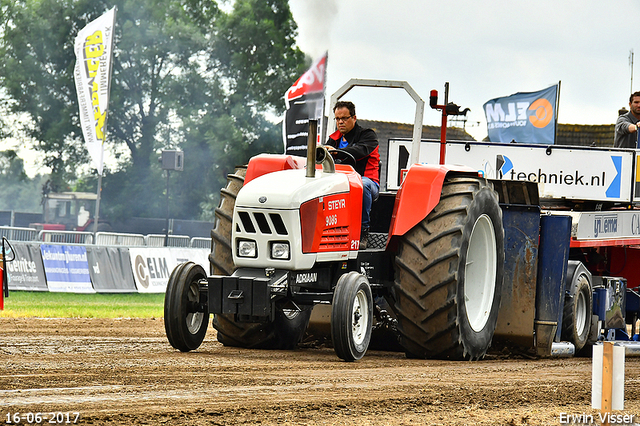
(21, 304)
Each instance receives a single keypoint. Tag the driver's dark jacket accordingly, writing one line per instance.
(363, 145)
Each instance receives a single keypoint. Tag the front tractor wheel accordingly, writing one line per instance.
(351, 316)
(186, 314)
(449, 271)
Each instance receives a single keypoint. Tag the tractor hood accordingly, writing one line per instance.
(288, 189)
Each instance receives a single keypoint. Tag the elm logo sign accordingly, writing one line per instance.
(523, 117)
(542, 113)
(151, 269)
(141, 272)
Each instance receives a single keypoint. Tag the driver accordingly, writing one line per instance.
(363, 145)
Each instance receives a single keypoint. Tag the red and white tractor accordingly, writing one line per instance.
(287, 239)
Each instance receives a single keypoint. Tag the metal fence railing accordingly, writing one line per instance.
(102, 238)
(66, 237)
(200, 242)
(179, 241)
(157, 240)
(18, 234)
(118, 239)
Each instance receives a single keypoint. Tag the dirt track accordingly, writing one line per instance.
(124, 372)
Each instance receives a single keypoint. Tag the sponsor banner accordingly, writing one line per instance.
(66, 268)
(152, 267)
(110, 269)
(399, 159)
(26, 272)
(523, 117)
(561, 172)
(607, 225)
(304, 101)
(199, 256)
(571, 173)
(92, 73)
(296, 122)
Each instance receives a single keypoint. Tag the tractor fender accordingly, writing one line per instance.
(268, 163)
(419, 194)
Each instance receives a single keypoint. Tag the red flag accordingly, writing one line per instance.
(312, 81)
(304, 101)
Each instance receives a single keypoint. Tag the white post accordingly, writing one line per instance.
(607, 380)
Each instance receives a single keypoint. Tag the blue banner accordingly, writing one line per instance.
(66, 268)
(525, 117)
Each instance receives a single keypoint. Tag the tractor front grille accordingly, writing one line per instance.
(269, 224)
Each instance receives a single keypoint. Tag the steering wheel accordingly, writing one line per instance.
(341, 156)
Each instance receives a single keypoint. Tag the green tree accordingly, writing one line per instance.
(36, 74)
(185, 75)
(19, 192)
(254, 50)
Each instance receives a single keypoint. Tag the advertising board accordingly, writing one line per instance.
(152, 266)
(66, 268)
(574, 173)
(26, 271)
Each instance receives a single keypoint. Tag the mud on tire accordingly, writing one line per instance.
(288, 327)
(449, 271)
(220, 258)
(284, 332)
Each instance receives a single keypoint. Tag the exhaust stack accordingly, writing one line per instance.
(323, 157)
(311, 148)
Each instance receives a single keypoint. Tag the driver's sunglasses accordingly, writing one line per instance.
(343, 119)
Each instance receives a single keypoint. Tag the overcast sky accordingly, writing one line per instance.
(484, 49)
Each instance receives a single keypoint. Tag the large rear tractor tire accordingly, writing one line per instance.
(221, 258)
(284, 332)
(288, 327)
(576, 317)
(185, 315)
(351, 316)
(449, 271)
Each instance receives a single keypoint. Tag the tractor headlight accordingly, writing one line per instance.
(280, 250)
(247, 248)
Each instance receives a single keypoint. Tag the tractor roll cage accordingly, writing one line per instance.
(417, 123)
